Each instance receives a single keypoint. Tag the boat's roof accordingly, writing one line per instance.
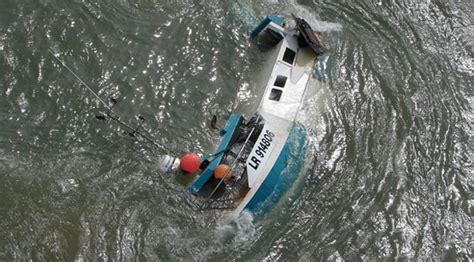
(281, 102)
(286, 86)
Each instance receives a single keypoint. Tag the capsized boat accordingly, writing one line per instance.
(259, 157)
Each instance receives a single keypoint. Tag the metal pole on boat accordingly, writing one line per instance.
(80, 80)
(110, 113)
(232, 165)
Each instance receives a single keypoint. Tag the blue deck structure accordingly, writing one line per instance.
(227, 134)
(265, 22)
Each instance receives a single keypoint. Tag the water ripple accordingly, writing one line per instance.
(390, 175)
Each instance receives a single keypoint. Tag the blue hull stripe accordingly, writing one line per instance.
(283, 174)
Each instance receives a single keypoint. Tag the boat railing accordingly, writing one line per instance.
(230, 200)
(237, 184)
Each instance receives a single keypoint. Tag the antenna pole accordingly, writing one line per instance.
(80, 80)
(110, 113)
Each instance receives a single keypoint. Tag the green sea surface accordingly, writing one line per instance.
(390, 168)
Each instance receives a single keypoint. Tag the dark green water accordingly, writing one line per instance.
(391, 124)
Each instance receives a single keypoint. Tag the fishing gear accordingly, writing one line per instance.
(214, 122)
(109, 113)
(103, 116)
(142, 120)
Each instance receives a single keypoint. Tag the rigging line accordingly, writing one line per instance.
(115, 117)
(110, 113)
(80, 80)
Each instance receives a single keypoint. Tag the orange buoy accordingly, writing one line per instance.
(190, 162)
(223, 172)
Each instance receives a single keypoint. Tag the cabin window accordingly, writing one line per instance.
(280, 81)
(275, 94)
(289, 56)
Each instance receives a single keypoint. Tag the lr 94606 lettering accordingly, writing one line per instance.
(261, 150)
